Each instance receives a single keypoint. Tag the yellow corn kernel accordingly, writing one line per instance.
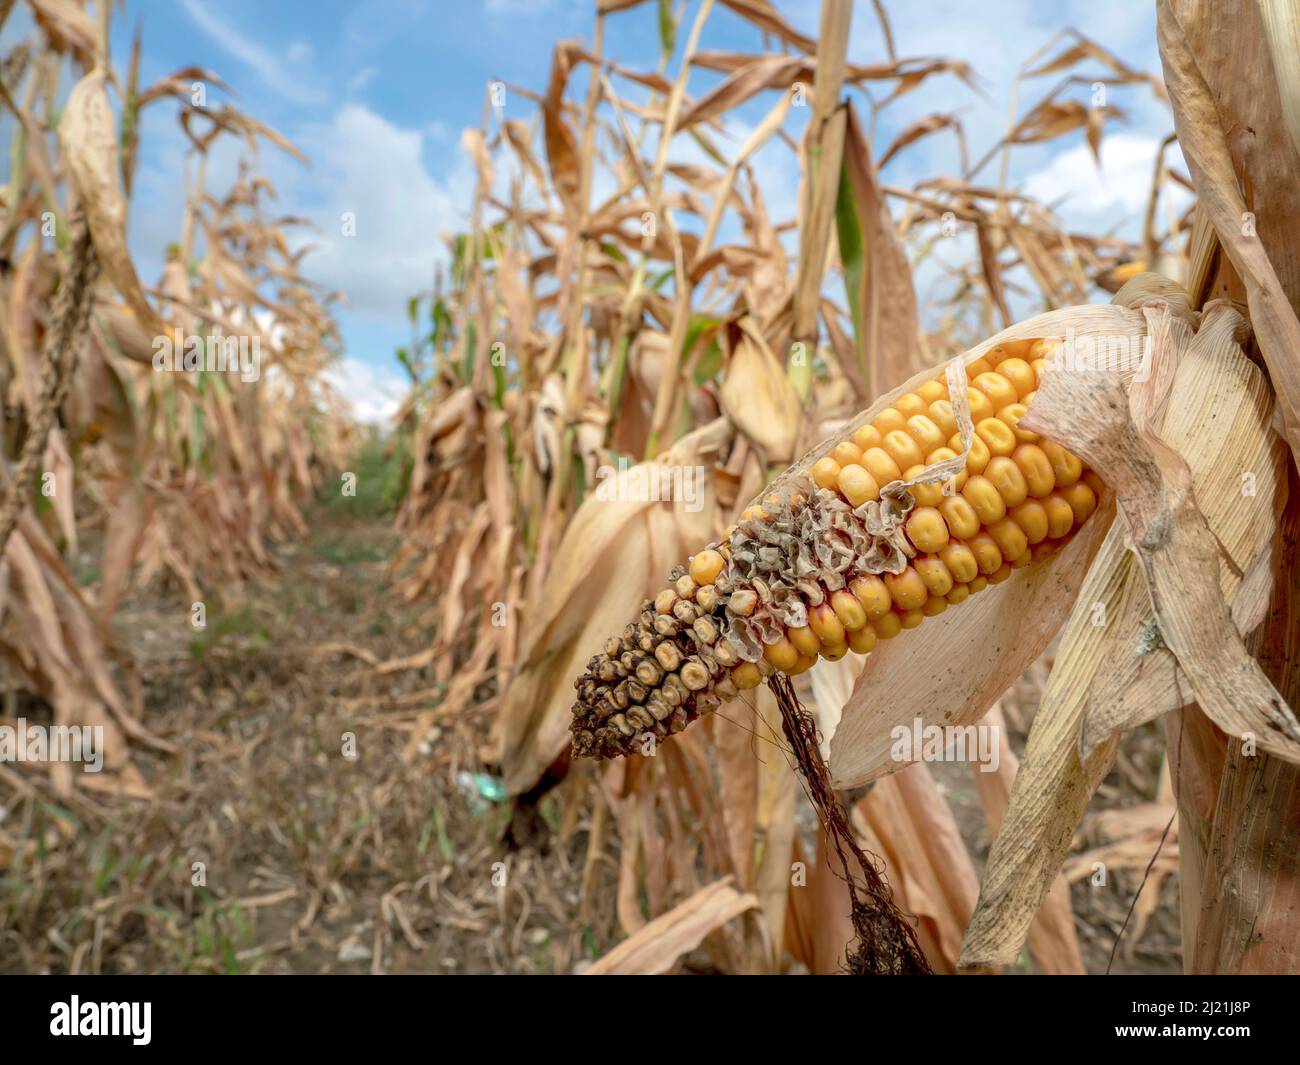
(1045, 549)
(857, 485)
(986, 551)
(846, 454)
(1031, 516)
(865, 437)
(782, 654)
(981, 406)
(935, 575)
(943, 454)
(1044, 348)
(1066, 468)
(979, 584)
(848, 610)
(883, 468)
(706, 566)
(871, 592)
(933, 391)
(1037, 469)
(927, 435)
(804, 639)
(1023, 561)
(910, 619)
(1020, 375)
(1012, 414)
(984, 499)
(906, 589)
(960, 562)
(910, 403)
(1094, 482)
(959, 594)
(834, 652)
(934, 606)
(960, 517)
(888, 420)
(903, 449)
(805, 663)
(825, 471)
(824, 622)
(746, 676)
(926, 495)
(979, 454)
(1060, 516)
(887, 626)
(979, 366)
(863, 641)
(1082, 501)
(1010, 538)
(927, 529)
(999, 390)
(941, 414)
(997, 436)
(1003, 572)
(1008, 480)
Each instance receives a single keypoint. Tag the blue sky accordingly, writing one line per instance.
(377, 92)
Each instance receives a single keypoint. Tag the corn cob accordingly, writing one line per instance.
(869, 544)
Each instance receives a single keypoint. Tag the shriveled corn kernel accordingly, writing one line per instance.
(927, 435)
(1082, 501)
(935, 575)
(857, 485)
(834, 652)
(926, 495)
(665, 601)
(906, 589)
(934, 606)
(1020, 375)
(941, 414)
(865, 437)
(1008, 480)
(960, 517)
(927, 529)
(863, 641)
(1003, 572)
(999, 390)
(848, 610)
(997, 436)
(910, 403)
(804, 639)
(981, 406)
(1067, 468)
(887, 626)
(706, 566)
(846, 453)
(960, 562)
(825, 472)
(959, 594)
(1031, 516)
(903, 449)
(781, 654)
(986, 551)
(754, 513)
(933, 391)
(883, 468)
(943, 454)
(1010, 538)
(823, 621)
(1037, 469)
(871, 592)
(910, 619)
(1060, 516)
(746, 676)
(984, 499)
(888, 420)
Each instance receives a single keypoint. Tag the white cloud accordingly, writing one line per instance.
(373, 391)
(265, 63)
